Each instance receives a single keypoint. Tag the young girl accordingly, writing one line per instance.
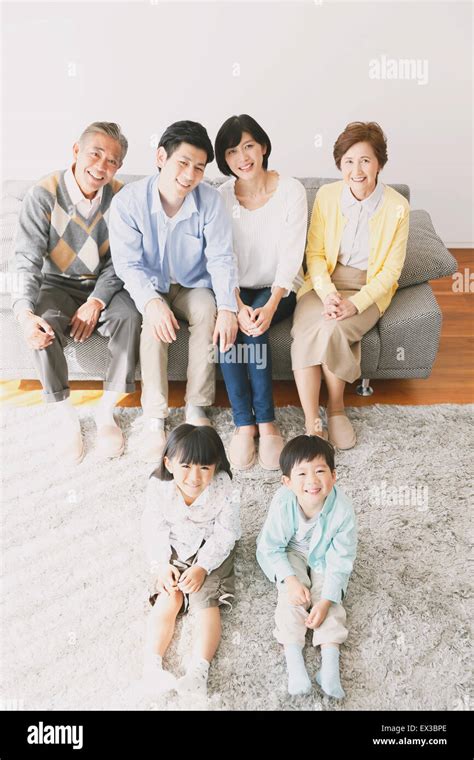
(190, 526)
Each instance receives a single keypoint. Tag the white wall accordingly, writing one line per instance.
(304, 71)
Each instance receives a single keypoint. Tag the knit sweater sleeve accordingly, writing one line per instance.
(31, 247)
(107, 283)
(316, 259)
(293, 237)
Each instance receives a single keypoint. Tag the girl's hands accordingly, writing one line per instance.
(192, 579)
(167, 579)
(318, 614)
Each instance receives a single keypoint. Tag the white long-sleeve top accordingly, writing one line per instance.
(168, 522)
(269, 241)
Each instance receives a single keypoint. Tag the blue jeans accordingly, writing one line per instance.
(247, 366)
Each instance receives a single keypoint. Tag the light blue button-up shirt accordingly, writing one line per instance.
(332, 546)
(194, 248)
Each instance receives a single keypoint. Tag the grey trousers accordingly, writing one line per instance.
(119, 321)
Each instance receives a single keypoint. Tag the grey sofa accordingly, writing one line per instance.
(403, 344)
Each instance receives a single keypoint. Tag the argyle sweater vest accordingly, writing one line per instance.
(55, 243)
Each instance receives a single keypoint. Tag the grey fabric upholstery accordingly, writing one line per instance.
(402, 345)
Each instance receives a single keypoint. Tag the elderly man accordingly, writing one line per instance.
(68, 284)
(172, 246)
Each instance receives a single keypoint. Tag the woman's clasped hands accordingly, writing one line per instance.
(337, 307)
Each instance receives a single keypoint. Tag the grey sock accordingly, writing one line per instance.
(194, 412)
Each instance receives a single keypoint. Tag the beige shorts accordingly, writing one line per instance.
(217, 590)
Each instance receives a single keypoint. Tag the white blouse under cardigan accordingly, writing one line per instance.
(269, 241)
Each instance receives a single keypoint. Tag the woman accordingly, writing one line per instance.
(269, 218)
(355, 252)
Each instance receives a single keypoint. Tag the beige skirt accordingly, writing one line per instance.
(317, 340)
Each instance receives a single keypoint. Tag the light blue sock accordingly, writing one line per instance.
(299, 681)
(328, 676)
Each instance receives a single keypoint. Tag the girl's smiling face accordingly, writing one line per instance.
(191, 479)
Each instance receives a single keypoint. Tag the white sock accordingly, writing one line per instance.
(328, 676)
(104, 411)
(154, 674)
(299, 681)
(194, 412)
(195, 680)
(154, 424)
(67, 415)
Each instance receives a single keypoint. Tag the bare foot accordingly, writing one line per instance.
(268, 428)
(247, 430)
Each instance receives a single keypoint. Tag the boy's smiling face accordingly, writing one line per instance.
(311, 482)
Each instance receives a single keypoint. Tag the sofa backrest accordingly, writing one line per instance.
(427, 257)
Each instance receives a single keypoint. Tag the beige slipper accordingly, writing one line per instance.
(341, 432)
(269, 450)
(152, 444)
(242, 451)
(319, 430)
(110, 442)
(71, 450)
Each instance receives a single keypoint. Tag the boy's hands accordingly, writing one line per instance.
(167, 578)
(318, 614)
(297, 593)
(192, 579)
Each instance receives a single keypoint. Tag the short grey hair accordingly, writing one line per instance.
(110, 129)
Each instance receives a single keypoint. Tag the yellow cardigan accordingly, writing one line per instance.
(388, 235)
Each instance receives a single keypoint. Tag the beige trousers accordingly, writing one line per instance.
(198, 307)
(290, 619)
(317, 340)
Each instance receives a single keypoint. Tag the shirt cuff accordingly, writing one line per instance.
(331, 590)
(233, 309)
(22, 305)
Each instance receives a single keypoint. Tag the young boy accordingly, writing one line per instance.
(308, 545)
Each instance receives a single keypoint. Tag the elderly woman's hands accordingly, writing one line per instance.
(338, 308)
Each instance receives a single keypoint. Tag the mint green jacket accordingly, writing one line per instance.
(332, 547)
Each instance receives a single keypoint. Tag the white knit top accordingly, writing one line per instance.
(269, 241)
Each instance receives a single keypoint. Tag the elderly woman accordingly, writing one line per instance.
(355, 252)
(269, 217)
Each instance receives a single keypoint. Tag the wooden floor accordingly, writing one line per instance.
(451, 381)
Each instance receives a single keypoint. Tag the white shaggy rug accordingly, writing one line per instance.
(74, 575)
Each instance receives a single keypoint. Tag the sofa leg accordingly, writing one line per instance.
(364, 388)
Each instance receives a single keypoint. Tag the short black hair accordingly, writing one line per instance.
(193, 444)
(305, 448)
(190, 132)
(230, 135)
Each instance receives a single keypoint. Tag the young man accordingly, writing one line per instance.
(69, 287)
(172, 246)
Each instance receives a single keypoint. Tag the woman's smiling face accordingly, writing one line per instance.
(360, 167)
(245, 159)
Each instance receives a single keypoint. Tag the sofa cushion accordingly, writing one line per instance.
(427, 257)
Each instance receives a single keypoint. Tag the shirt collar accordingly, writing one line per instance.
(75, 192)
(368, 204)
(187, 209)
